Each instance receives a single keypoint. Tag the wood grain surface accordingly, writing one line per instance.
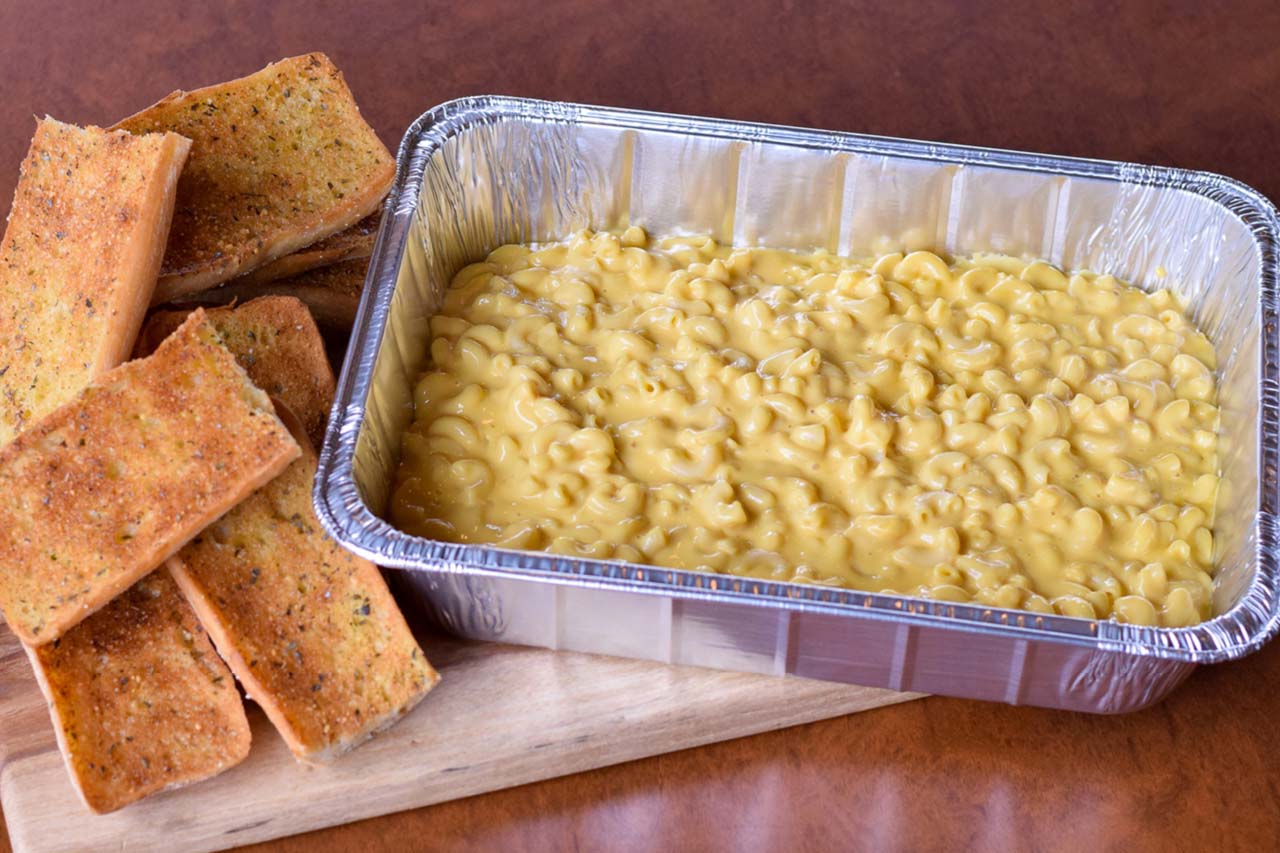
(1182, 84)
(501, 716)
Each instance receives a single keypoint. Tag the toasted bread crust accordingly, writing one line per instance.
(309, 629)
(278, 344)
(353, 244)
(79, 260)
(139, 698)
(279, 160)
(332, 293)
(105, 488)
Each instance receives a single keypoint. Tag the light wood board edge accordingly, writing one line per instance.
(502, 716)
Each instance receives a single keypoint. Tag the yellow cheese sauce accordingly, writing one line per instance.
(986, 430)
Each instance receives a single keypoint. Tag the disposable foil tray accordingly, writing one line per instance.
(480, 172)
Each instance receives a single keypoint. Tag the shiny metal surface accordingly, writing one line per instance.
(479, 172)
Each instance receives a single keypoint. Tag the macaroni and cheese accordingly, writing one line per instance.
(986, 430)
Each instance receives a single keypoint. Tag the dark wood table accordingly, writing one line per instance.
(1152, 82)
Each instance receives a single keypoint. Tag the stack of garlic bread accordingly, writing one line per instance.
(279, 160)
(155, 514)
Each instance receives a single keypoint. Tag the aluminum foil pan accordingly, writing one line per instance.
(479, 172)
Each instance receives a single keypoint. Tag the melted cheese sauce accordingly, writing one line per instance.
(989, 430)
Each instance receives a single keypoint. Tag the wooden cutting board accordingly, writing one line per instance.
(501, 716)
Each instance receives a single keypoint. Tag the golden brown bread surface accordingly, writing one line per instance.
(354, 243)
(277, 343)
(279, 160)
(79, 260)
(332, 293)
(108, 486)
(311, 630)
(139, 698)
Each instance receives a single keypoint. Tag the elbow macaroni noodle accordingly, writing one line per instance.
(989, 430)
